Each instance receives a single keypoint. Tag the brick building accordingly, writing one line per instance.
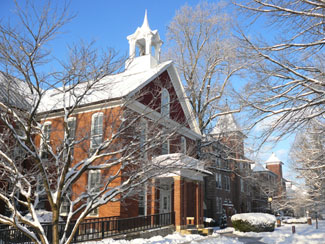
(158, 98)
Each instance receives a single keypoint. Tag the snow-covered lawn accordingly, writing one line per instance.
(305, 234)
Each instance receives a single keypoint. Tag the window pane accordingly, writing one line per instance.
(97, 130)
(164, 148)
(165, 100)
(183, 145)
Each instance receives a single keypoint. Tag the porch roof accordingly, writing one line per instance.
(179, 164)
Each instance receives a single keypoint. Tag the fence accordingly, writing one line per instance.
(96, 228)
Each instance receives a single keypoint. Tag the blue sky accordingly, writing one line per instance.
(110, 22)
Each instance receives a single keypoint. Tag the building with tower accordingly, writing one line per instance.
(228, 191)
(274, 164)
(269, 186)
(264, 188)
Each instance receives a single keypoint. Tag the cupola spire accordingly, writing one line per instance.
(145, 24)
(144, 47)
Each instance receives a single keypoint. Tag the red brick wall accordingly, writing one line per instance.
(83, 127)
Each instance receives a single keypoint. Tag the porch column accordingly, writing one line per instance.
(178, 202)
(154, 208)
(185, 202)
(201, 204)
(153, 198)
(198, 205)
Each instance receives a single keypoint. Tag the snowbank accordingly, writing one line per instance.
(208, 220)
(255, 218)
(296, 221)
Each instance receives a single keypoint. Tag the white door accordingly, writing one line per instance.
(165, 201)
(165, 204)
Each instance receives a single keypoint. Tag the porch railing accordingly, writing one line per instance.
(96, 228)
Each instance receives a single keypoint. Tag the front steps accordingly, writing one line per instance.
(199, 231)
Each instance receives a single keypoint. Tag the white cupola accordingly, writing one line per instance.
(144, 48)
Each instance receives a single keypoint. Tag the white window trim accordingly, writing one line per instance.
(92, 126)
(227, 188)
(183, 145)
(93, 212)
(144, 126)
(168, 146)
(219, 180)
(218, 162)
(46, 123)
(145, 198)
(74, 135)
(39, 183)
(74, 120)
(242, 185)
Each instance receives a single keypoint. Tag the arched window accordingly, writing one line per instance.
(165, 103)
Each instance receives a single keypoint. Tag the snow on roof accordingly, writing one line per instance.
(226, 123)
(180, 161)
(14, 92)
(110, 87)
(255, 218)
(273, 159)
(257, 167)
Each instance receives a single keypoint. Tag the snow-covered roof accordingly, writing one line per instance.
(180, 161)
(257, 167)
(273, 159)
(225, 124)
(110, 87)
(14, 92)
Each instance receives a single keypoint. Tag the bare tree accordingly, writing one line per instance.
(37, 161)
(205, 52)
(307, 157)
(287, 87)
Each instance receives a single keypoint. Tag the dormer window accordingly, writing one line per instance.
(165, 103)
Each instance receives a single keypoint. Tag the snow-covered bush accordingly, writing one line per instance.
(256, 222)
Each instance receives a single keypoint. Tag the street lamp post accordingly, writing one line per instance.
(270, 202)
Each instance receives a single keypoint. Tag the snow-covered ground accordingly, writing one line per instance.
(175, 238)
(305, 234)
